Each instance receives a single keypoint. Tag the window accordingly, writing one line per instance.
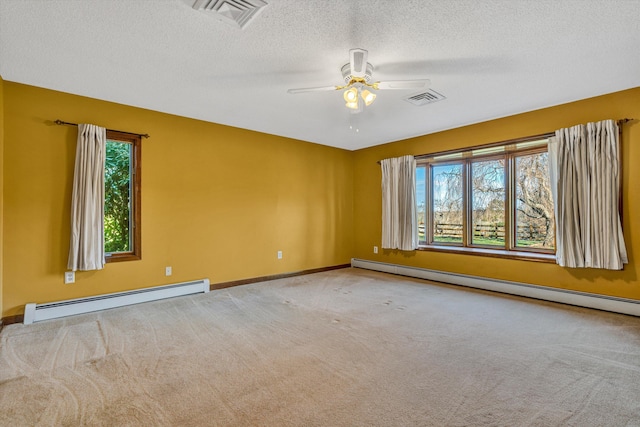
(122, 197)
(447, 203)
(488, 193)
(494, 199)
(534, 219)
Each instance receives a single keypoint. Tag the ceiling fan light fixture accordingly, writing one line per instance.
(368, 97)
(351, 95)
(353, 105)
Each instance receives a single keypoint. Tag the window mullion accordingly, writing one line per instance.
(466, 203)
(509, 205)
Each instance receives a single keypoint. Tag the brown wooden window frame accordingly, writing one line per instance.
(135, 227)
(507, 150)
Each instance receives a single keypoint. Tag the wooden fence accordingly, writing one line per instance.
(487, 230)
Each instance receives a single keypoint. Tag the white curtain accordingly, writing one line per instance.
(585, 178)
(399, 218)
(86, 250)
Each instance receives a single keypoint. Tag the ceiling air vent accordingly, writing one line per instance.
(236, 12)
(425, 98)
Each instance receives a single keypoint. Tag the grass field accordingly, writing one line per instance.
(484, 241)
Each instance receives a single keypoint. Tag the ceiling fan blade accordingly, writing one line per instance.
(358, 61)
(403, 84)
(312, 89)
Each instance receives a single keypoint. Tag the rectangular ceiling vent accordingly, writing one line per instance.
(428, 97)
(235, 12)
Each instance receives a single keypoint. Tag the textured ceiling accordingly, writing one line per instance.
(490, 58)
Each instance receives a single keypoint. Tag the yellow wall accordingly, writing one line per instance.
(217, 202)
(367, 196)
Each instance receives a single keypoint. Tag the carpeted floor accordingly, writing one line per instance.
(343, 348)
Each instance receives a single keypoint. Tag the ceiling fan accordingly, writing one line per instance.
(357, 78)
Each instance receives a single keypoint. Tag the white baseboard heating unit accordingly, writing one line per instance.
(36, 312)
(564, 296)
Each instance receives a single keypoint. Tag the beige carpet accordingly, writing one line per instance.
(343, 348)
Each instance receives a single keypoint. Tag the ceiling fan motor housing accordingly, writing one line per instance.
(346, 73)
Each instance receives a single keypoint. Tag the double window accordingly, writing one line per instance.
(495, 198)
(122, 197)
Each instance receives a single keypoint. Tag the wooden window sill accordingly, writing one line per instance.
(124, 256)
(496, 253)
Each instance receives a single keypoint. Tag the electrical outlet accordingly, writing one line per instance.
(279, 254)
(69, 277)
(168, 271)
(375, 249)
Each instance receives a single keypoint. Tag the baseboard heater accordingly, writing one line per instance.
(36, 312)
(564, 296)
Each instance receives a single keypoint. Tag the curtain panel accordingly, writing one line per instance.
(399, 217)
(585, 181)
(86, 251)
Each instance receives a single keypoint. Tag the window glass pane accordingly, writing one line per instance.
(117, 195)
(446, 186)
(488, 202)
(534, 220)
(421, 202)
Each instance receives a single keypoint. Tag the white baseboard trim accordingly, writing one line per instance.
(564, 296)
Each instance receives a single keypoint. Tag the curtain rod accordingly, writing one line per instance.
(60, 122)
(620, 122)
